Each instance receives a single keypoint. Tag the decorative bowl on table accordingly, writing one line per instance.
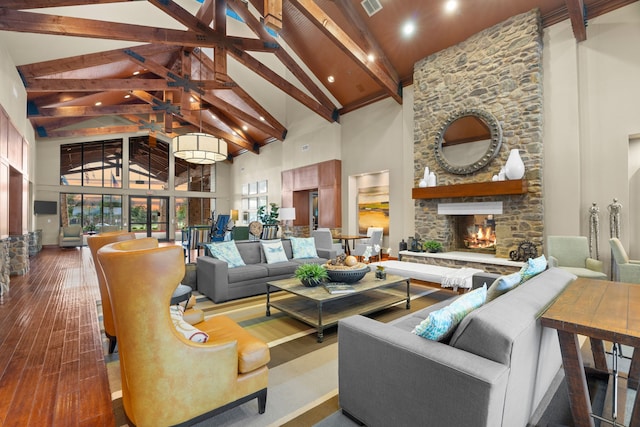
(346, 274)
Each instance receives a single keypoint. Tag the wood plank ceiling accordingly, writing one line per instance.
(177, 78)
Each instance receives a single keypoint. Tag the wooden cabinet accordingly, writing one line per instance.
(324, 178)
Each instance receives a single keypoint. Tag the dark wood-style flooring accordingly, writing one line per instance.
(52, 369)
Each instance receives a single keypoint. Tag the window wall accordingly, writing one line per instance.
(148, 163)
(92, 211)
(92, 164)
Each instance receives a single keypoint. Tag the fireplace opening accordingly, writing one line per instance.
(476, 233)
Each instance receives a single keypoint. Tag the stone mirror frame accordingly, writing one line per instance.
(467, 141)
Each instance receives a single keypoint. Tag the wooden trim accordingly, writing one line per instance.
(497, 188)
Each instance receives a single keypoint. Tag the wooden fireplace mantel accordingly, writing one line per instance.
(492, 188)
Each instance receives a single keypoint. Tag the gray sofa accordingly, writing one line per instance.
(494, 371)
(220, 283)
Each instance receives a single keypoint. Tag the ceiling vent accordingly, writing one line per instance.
(371, 6)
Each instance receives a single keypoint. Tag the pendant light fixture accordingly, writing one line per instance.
(199, 147)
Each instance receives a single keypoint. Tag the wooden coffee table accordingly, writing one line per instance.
(320, 309)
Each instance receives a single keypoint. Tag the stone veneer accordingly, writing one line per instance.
(498, 70)
(19, 254)
(5, 266)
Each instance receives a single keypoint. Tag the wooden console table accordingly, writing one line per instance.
(600, 310)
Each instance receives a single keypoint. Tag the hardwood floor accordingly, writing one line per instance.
(52, 370)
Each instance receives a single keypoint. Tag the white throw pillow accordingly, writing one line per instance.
(189, 331)
(273, 251)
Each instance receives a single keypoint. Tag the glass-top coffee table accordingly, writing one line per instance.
(321, 309)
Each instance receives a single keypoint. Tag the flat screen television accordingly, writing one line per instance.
(44, 207)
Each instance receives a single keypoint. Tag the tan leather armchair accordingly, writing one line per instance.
(95, 242)
(232, 369)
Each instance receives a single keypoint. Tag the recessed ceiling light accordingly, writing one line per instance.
(331, 79)
(127, 96)
(245, 128)
(451, 6)
(135, 73)
(99, 103)
(234, 133)
(371, 57)
(262, 118)
(408, 28)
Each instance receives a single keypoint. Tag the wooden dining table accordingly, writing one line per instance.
(345, 238)
(602, 311)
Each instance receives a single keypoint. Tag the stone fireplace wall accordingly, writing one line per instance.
(498, 70)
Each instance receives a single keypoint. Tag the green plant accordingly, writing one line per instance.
(271, 217)
(432, 246)
(311, 272)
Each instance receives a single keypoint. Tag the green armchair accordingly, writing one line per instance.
(628, 270)
(70, 236)
(571, 253)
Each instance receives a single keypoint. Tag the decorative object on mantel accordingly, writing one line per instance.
(432, 179)
(424, 182)
(594, 231)
(525, 250)
(514, 168)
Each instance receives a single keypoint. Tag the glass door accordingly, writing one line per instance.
(149, 215)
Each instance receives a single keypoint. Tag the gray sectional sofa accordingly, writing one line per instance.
(220, 283)
(494, 371)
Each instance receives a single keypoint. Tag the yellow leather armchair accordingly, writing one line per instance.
(95, 242)
(156, 361)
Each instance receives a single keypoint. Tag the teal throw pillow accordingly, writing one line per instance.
(227, 252)
(532, 267)
(273, 251)
(437, 326)
(467, 303)
(502, 285)
(440, 324)
(303, 247)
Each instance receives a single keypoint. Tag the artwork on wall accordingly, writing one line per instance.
(373, 208)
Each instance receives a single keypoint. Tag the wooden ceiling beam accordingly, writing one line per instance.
(577, 15)
(72, 63)
(368, 41)
(341, 39)
(256, 26)
(93, 131)
(38, 4)
(328, 113)
(40, 23)
(103, 110)
(97, 85)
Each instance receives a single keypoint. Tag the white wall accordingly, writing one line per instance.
(591, 93)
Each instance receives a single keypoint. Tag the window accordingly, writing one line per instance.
(92, 164)
(254, 195)
(148, 163)
(193, 177)
(92, 211)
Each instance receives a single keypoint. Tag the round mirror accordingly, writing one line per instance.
(467, 141)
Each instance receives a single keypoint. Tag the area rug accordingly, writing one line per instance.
(303, 374)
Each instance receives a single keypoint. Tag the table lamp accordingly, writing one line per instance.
(287, 214)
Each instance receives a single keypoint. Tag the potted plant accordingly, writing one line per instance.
(311, 274)
(268, 218)
(432, 246)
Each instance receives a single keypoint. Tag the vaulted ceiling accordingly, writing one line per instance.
(168, 67)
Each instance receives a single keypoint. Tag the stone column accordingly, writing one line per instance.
(19, 254)
(4, 266)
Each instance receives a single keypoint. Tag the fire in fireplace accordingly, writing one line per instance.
(476, 233)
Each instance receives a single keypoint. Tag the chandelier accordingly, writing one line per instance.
(200, 148)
